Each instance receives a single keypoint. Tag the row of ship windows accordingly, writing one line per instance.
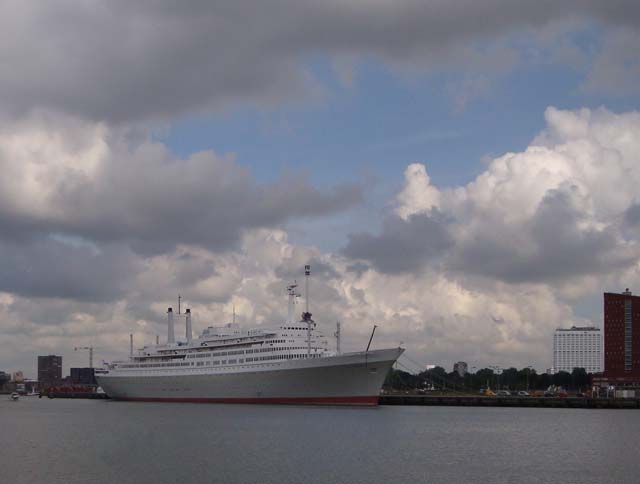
(155, 365)
(247, 352)
(252, 366)
(219, 362)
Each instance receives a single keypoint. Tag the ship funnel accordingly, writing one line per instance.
(188, 326)
(171, 337)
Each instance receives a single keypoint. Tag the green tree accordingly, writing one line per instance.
(580, 378)
(485, 377)
(400, 380)
(562, 379)
(509, 378)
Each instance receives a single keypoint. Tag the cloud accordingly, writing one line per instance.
(555, 212)
(57, 269)
(417, 195)
(482, 272)
(86, 180)
(616, 68)
(123, 61)
(403, 245)
(552, 244)
(253, 280)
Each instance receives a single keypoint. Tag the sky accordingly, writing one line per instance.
(461, 173)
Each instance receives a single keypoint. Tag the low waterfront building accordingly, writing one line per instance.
(577, 347)
(82, 376)
(4, 379)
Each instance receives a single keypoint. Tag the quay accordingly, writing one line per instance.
(58, 394)
(513, 401)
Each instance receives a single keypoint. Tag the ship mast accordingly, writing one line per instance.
(291, 291)
(306, 316)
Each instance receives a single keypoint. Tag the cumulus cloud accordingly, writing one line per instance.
(123, 61)
(403, 245)
(482, 272)
(87, 180)
(552, 244)
(101, 227)
(556, 211)
(488, 322)
(417, 195)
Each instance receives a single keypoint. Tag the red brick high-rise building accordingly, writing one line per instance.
(622, 339)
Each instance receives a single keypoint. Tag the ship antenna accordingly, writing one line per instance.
(234, 314)
(179, 298)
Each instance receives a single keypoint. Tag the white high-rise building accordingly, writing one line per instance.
(577, 347)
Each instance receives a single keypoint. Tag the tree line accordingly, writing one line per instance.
(509, 379)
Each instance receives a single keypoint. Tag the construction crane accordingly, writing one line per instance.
(88, 348)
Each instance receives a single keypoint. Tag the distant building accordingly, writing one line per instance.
(49, 370)
(4, 378)
(621, 340)
(461, 368)
(82, 376)
(577, 347)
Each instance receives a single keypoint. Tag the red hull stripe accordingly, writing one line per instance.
(372, 400)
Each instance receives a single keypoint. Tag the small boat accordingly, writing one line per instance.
(14, 396)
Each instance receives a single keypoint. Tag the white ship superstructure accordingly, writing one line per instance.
(291, 363)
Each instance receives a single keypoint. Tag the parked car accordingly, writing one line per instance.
(523, 393)
(562, 395)
(503, 393)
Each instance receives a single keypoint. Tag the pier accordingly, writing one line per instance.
(513, 401)
(89, 395)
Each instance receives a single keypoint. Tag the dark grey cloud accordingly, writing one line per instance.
(402, 245)
(145, 197)
(123, 61)
(551, 246)
(632, 215)
(53, 268)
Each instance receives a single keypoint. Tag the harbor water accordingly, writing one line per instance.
(94, 441)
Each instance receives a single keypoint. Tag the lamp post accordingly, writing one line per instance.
(497, 370)
(528, 372)
(473, 378)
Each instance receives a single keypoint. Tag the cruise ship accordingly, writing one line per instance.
(290, 364)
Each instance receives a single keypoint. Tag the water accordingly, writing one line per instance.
(85, 441)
